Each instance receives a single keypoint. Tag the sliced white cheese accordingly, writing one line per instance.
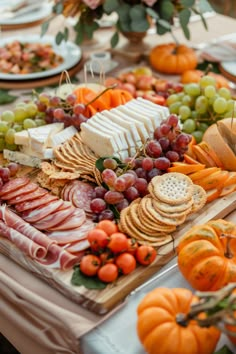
(46, 154)
(41, 137)
(101, 143)
(130, 109)
(163, 110)
(142, 131)
(152, 115)
(63, 136)
(21, 158)
(21, 138)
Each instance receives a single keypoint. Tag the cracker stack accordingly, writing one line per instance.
(153, 218)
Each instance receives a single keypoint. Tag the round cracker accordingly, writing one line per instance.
(199, 198)
(169, 214)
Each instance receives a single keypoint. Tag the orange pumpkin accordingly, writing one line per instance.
(172, 58)
(206, 255)
(160, 331)
(190, 76)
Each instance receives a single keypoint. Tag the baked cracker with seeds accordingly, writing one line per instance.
(199, 198)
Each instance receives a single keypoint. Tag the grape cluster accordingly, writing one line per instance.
(127, 184)
(7, 172)
(66, 110)
(25, 115)
(200, 105)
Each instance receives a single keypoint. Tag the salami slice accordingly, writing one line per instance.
(66, 189)
(35, 203)
(28, 188)
(22, 242)
(13, 185)
(82, 196)
(72, 222)
(78, 246)
(34, 215)
(53, 219)
(39, 192)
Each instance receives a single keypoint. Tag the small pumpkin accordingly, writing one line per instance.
(172, 58)
(160, 329)
(190, 76)
(206, 255)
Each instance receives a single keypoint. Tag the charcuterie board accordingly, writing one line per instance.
(102, 301)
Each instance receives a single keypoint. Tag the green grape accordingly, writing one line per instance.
(188, 100)
(10, 136)
(172, 99)
(198, 134)
(20, 114)
(20, 104)
(12, 147)
(184, 112)
(8, 116)
(220, 105)
(39, 122)
(210, 91)
(29, 123)
(230, 105)
(192, 89)
(189, 126)
(31, 109)
(180, 95)
(18, 127)
(4, 126)
(201, 104)
(212, 99)
(207, 80)
(2, 144)
(224, 92)
(203, 127)
(194, 115)
(174, 107)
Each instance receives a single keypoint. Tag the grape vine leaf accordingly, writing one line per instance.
(224, 350)
(79, 279)
(5, 97)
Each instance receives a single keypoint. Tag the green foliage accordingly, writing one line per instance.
(5, 97)
(79, 279)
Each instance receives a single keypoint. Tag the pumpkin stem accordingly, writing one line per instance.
(228, 253)
(215, 308)
(101, 93)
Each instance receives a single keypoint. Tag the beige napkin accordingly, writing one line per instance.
(219, 51)
(36, 318)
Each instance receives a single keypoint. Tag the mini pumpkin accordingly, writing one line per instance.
(206, 255)
(160, 329)
(172, 58)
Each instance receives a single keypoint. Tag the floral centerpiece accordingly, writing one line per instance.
(132, 16)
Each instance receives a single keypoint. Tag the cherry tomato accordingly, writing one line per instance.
(90, 264)
(108, 226)
(133, 246)
(98, 239)
(145, 255)
(108, 273)
(107, 257)
(118, 242)
(126, 263)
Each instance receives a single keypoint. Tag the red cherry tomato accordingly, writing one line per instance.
(118, 242)
(90, 264)
(126, 263)
(145, 255)
(98, 239)
(108, 273)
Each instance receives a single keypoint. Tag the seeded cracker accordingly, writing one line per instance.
(173, 188)
(199, 198)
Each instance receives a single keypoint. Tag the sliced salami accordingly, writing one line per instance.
(35, 203)
(53, 219)
(72, 222)
(34, 215)
(28, 188)
(78, 246)
(82, 196)
(39, 192)
(66, 189)
(13, 185)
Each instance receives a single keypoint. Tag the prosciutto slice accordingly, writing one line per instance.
(13, 184)
(23, 243)
(54, 219)
(76, 219)
(34, 215)
(35, 203)
(78, 246)
(39, 192)
(28, 188)
(16, 222)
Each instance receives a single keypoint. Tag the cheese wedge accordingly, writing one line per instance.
(21, 138)
(21, 158)
(152, 115)
(163, 110)
(40, 138)
(63, 136)
(137, 115)
(46, 154)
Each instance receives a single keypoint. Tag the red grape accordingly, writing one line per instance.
(173, 156)
(97, 205)
(4, 174)
(182, 140)
(55, 101)
(141, 173)
(109, 177)
(138, 163)
(131, 194)
(110, 163)
(79, 108)
(120, 184)
(123, 204)
(59, 113)
(164, 142)
(106, 214)
(112, 197)
(71, 99)
(141, 185)
(13, 168)
(157, 133)
(173, 120)
(162, 163)
(154, 172)
(165, 128)
(1, 182)
(100, 192)
(153, 148)
(147, 164)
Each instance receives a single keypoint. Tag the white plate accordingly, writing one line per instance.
(68, 50)
(229, 67)
(43, 12)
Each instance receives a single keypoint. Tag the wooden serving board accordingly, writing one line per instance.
(102, 301)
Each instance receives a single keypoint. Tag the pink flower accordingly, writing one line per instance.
(149, 2)
(92, 4)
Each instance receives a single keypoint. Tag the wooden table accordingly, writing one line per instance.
(35, 317)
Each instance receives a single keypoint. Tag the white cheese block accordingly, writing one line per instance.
(137, 115)
(21, 158)
(46, 154)
(142, 131)
(152, 115)
(21, 138)
(101, 119)
(63, 136)
(164, 111)
(101, 143)
(41, 137)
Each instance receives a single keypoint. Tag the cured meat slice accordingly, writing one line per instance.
(22, 242)
(39, 192)
(13, 184)
(16, 222)
(82, 196)
(58, 257)
(35, 203)
(53, 219)
(78, 246)
(63, 237)
(34, 215)
(28, 188)
(73, 221)
(66, 189)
